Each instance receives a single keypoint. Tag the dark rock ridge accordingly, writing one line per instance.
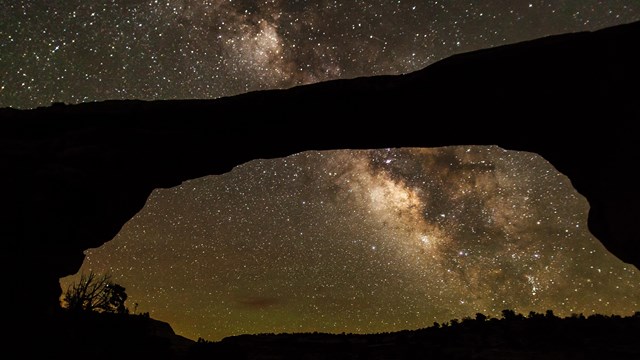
(90, 335)
(72, 175)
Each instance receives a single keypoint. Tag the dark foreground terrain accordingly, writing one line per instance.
(95, 336)
(514, 336)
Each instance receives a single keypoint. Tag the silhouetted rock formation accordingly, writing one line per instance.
(73, 175)
(91, 335)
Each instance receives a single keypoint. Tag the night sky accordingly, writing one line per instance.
(335, 241)
(82, 50)
(365, 241)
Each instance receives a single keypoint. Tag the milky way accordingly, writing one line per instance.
(365, 241)
(77, 50)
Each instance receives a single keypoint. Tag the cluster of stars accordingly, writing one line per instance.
(365, 241)
(78, 51)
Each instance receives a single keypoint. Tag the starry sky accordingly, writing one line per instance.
(87, 50)
(365, 241)
(354, 241)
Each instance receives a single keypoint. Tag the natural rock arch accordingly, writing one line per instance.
(73, 175)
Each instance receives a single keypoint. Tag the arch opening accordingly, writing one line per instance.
(364, 241)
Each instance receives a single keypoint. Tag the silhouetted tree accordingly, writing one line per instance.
(116, 298)
(549, 314)
(96, 293)
(508, 314)
(481, 317)
(534, 315)
(577, 316)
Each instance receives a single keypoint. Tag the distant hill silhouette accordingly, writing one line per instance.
(72, 175)
(538, 337)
